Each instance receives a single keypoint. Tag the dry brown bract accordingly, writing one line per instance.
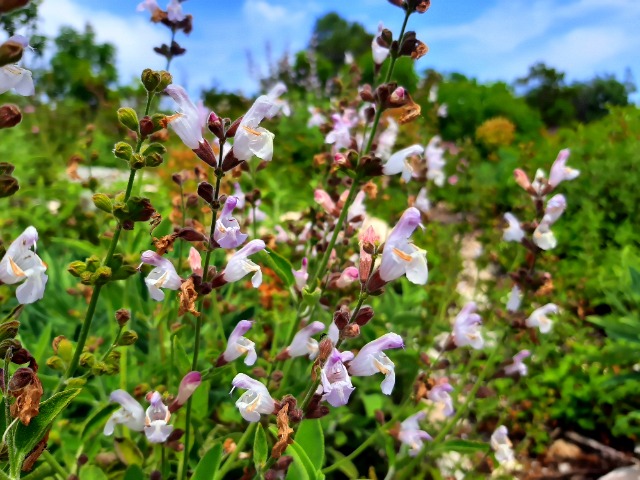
(284, 433)
(26, 388)
(188, 296)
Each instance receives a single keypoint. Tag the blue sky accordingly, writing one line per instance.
(489, 39)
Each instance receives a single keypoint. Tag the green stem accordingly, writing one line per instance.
(228, 463)
(336, 231)
(91, 309)
(196, 346)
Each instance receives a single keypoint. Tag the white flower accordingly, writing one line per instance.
(501, 445)
(513, 232)
(187, 124)
(400, 257)
(163, 276)
(371, 359)
(434, 153)
(543, 237)
(239, 264)
(422, 203)
(466, 328)
(518, 366)
(21, 264)
(157, 418)
(17, 78)
(303, 344)
(399, 162)
(237, 345)
(316, 118)
(380, 53)
(174, 11)
(255, 401)
(250, 138)
(275, 93)
(387, 139)
(539, 317)
(411, 435)
(130, 414)
(515, 298)
(559, 170)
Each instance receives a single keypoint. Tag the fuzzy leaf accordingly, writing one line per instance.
(260, 448)
(310, 437)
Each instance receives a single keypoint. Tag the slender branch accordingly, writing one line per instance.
(196, 346)
(91, 309)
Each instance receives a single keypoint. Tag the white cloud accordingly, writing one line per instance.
(134, 36)
(580, 37)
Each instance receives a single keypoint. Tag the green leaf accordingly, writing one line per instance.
(373, 402)
(134, 472)
(346, 467)
(301, 458)
(310, 437)
(278, 264)
(27, 437)
(209, 464)
(91, 472)
(260, 448)
(128, 452)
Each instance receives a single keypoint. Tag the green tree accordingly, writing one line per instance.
(592, 99)
(336, 36)
(82, 70)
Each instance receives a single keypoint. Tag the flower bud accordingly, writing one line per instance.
(351, 331)
(10, 52)
(522, 179)
(231, 132)
(165, 80)
(230, 161)
(215, 125)
(87, 359)
(146, 126)
(136, 162)
(128, 117)
(341, 317)
(101, 276)
(419, 6)
(205, 191)
(364, 315)
(55, 363)
(102, 202)
(178, 179)
(366, 94)
(123, 316)
(10, 115)
(9, 329)
(123, 150)
(325, 347)
(154, 159)
(150, 79)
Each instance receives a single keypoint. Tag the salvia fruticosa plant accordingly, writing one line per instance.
(179, 421)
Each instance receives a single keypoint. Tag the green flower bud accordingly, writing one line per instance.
(152, 148)
(93, 262)
(102, 202)
(76, 382)
(9, 330)
(153, 160)
(65, 350)
(128, 338)
(123, 150)
(99, 368)
(77, 268)
(165, 80)
(127, 117)
(150, 79)
(101, 276)
(56, 363)
(136, 162)
(87, 359)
